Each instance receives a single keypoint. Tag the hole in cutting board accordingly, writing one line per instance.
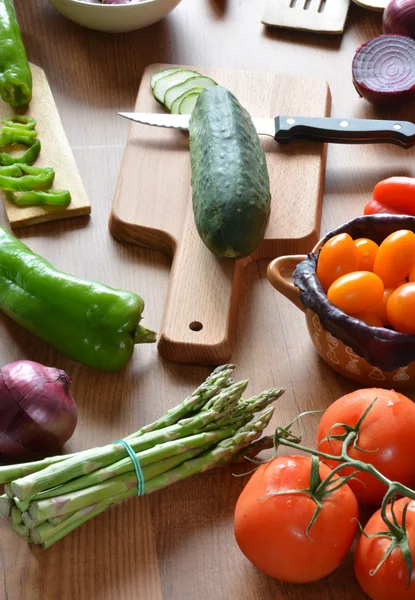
(322, 6)
(293, 3)
(196, 326)
(307, 4)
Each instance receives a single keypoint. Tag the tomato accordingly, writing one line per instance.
(391, 580)
(356, 292)
(379, 310)
(369, 318)
(271, 531)
(337, 257)
(395, 257)
(386, 435)
(401, 308)
(367, 253)
(412, 273)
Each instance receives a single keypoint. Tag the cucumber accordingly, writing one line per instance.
(177, 90)
(175, 107)
(188, 103)
(168, 81)
(230, 183)
(160, 74)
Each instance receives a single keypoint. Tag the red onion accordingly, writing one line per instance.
(37, 412)
(384, 69)
(399, 17)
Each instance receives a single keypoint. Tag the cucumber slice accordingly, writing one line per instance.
(175, 107)
(177, 90)
(161, 74)
(168, 81)
(188, 103)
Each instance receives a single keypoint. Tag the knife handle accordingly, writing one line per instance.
(345, 131)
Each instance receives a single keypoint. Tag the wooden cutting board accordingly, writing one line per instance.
(55, 152)
(152, 207)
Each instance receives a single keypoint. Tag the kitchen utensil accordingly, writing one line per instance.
(325, 129)
(152, 207)
(378, 5)
(115, 18)
(337, 354)
(322, 16)
(56, 153)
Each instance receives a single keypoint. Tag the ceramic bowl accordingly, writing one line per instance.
(337, 354)
(115, 18)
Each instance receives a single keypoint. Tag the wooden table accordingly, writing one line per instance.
(177, 544)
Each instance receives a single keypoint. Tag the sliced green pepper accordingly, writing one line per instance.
(21, 121)
(27, 158)
(51, 197)
(87, 321)
(15, 74)
(30, 179)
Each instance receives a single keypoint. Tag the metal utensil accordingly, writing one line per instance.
(317, 129)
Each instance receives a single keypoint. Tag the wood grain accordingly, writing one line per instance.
(307, 15)
(56, 153)
(201, 305)
(178, 544)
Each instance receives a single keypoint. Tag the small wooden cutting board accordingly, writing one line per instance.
(55, 152)
(152, 207)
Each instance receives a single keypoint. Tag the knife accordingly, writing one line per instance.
(316, 129)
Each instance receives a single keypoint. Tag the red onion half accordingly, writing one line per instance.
(399, 17)
(384, 69)
(37, 412)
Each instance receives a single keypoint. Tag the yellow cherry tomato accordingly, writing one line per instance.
(368, 250)
(379, 310)
(395, 257)
(337, 257)
(401, 308)
(356, 292)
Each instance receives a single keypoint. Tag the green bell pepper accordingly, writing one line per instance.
(87, 321)
(15, 74)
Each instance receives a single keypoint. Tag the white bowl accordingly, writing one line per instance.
(115, 18)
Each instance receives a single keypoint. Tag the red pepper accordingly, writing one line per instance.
(395, 195)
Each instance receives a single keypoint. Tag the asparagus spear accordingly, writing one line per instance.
(41, 510)
(6, 504)
(147, 457)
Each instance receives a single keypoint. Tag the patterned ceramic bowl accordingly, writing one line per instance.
(337, 352)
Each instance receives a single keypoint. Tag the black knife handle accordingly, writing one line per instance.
(345, 131)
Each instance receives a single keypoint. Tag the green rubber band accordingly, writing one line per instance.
(137, 467)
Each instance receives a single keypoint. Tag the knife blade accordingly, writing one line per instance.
(316, 129)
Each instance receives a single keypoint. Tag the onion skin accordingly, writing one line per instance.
(383, 70)
(399, 17)
(37, 412)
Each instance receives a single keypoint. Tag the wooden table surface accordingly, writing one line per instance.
(177, 544)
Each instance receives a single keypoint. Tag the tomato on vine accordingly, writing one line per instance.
(274, 524)
(388, 580)
(384, 439)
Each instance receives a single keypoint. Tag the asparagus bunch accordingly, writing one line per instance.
(48, 499)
